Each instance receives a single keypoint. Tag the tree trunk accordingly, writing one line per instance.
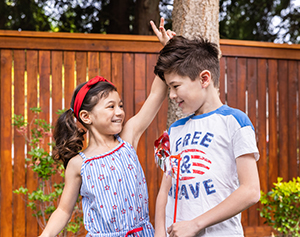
(145, 11)
(191, 18)
(3, 14)
(119, 11)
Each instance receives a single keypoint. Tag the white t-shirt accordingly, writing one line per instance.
(209, 144)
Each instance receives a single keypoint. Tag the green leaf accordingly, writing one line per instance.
(42, 199)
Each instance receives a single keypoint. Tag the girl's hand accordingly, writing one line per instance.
(183, 229)
(163, 35)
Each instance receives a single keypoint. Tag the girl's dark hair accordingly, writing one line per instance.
(67, 135)
(188, 57)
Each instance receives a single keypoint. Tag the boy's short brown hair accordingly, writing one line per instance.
(189, 58)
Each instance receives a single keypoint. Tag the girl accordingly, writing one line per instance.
(107, 173)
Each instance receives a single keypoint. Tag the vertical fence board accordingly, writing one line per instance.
(222, 79)
(56, 93)
(261, 128)
(19, 144)
(252, 97)
(128, 85)
(117, 72)
(252, 89)
(44, 72)
(292, 120)
(32, 101)
(81, 77)
(272, 119)
(5, 144)
(140, 96)
(231, 82)
(151, 135)
(283, 119)
(241, 83)
(93, 64)
(81, 66)
(105, 65)
(69, 65)
(261, 125)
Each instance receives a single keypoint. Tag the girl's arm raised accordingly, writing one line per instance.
(162, 35)
(135, 126)
(62, 214)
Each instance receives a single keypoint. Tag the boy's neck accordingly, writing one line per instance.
(209, 108)
(211, 103)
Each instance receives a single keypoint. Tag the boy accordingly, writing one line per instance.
(219, 177)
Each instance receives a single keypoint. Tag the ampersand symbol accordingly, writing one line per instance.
(185, 167)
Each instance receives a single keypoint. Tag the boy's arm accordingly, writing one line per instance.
(135, 126)
(245, 196)
(160, 207)
(62, 214)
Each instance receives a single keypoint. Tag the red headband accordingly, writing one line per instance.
(82, 92)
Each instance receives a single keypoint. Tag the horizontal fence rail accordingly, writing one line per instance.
(43, 69)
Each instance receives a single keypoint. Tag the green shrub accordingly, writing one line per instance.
(43, 200)
(281, 207)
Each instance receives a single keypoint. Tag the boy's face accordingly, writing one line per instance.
(189, 95)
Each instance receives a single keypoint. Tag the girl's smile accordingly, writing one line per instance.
(108, 115)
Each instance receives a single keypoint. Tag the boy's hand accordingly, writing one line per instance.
(160, 235)
(183, 229)
(163, 35)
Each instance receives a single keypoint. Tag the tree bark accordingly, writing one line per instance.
(119, 17)
(146, 10)
(121, 10)
(192, 18)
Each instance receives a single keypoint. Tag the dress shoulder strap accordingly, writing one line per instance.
(82, 155)
(119, 138)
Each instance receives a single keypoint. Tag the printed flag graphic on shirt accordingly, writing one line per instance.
(193, 162)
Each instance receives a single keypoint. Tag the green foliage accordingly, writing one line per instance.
(254, 20)
(281, 207)
(60, 111)
(85, 16)
(239, 19)
(43, 200)
(25, 15)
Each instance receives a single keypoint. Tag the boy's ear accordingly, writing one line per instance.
(205, 78)
(85, 117)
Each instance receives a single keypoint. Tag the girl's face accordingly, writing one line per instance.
(108, 115)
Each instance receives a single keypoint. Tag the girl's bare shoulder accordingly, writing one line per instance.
(74, 165)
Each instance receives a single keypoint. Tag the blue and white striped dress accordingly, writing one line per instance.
(114, 193)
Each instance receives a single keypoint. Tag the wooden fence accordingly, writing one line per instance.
(42, 69)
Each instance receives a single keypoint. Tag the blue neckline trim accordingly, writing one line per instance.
(224, 110)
